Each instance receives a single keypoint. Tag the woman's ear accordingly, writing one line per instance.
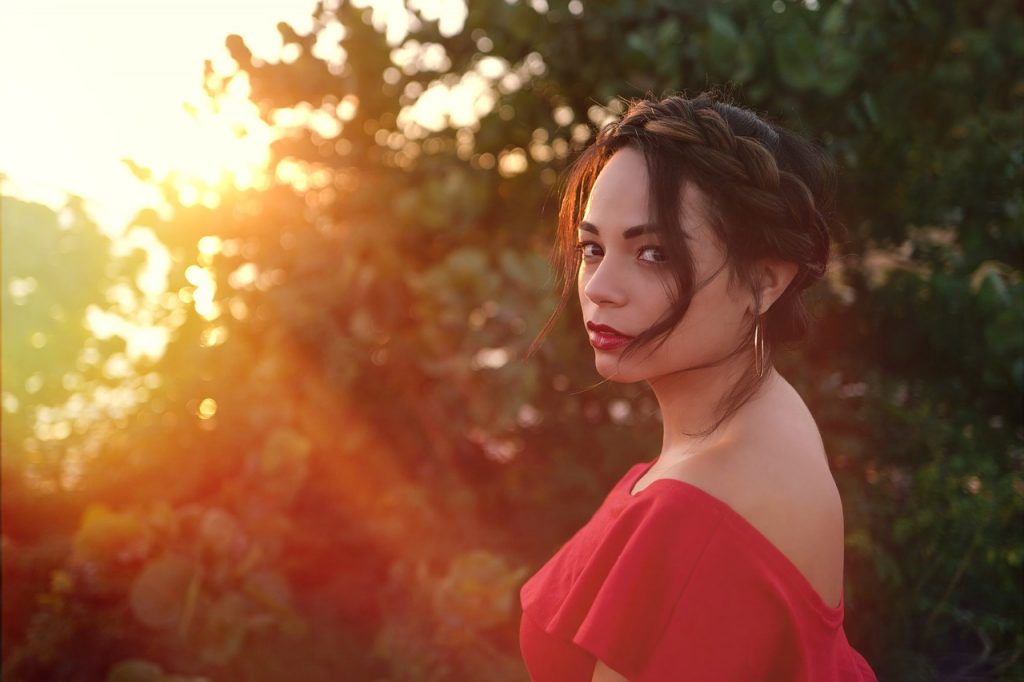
(776, 274)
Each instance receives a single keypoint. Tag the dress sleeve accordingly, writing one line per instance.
(613, 593)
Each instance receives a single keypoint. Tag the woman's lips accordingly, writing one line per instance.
(607, 341)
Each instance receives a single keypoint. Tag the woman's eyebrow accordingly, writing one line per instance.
(628, 233)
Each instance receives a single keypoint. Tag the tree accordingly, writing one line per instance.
(350, 396)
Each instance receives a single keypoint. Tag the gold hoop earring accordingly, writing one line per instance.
(759, 354)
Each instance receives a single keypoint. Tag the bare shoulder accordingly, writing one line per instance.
(797, 506)
(777, 478)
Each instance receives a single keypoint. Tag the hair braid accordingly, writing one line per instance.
(743, 158)
(713, 151)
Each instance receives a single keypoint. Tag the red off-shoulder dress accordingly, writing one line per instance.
(672, 584)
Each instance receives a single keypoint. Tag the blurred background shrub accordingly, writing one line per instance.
(343, 467)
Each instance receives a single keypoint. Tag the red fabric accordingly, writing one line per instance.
(673, 584)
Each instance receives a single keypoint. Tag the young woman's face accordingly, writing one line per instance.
(622, 281)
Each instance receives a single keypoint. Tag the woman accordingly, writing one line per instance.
(691, 227)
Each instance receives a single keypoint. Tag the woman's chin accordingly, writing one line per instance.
(612, 370)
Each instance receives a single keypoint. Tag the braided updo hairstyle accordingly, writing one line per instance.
(770, 194)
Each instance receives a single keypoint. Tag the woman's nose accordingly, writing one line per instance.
(604, 287)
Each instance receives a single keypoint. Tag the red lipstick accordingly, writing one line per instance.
(604, 337)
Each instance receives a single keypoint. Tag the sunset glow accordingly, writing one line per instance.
(100, 83)
(90, 84)
(92, 89)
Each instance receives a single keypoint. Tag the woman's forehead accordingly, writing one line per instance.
(620, 197)
(620, 192)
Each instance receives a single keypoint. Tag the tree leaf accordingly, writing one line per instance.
(796, 57)
(157, 595)
(135, 670)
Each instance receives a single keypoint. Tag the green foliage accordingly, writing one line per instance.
(55, 267)
(380, 471)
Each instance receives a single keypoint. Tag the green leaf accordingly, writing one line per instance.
(513, 266)
(834, 19)
(641, 43)
(796, 57)
(723, 42)
(158, 593)
(283, 463)
(746, 59)
(991, 271)
(840, 68)
(106, 536)
(135, 670)
(870, 108)
(669, 34)
(221, 533)
(224, 628)
(723, 27)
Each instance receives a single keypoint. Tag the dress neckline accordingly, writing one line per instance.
(833, 613)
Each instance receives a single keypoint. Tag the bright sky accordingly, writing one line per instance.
(86, 83)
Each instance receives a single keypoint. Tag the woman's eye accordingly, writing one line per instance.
(582, 248)
(661, 257)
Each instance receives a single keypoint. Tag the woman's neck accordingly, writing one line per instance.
(689, 402)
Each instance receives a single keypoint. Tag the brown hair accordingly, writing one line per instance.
(770, 193)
